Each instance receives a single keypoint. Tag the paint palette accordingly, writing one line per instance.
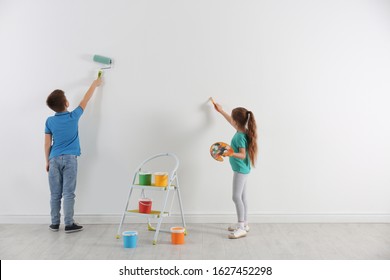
(219, 150)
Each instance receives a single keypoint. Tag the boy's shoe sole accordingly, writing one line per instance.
(54, 227)
(73, 228)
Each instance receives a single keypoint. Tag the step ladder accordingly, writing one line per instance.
(169, 192)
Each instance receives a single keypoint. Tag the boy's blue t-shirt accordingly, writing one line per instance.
(240, 140)
(64, 128)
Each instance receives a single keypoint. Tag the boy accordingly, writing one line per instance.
(62, 147)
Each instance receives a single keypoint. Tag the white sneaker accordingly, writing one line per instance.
(236, 226)
(238, 233)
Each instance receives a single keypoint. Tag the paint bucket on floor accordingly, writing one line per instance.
(130, 239)
(161, 179)
(177, 235)
(145, 205)
(145, 178)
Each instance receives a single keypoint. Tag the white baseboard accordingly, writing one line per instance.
(209, 218)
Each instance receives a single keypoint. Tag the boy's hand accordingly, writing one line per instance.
(97, 82)
(89, 93)
(47, 166)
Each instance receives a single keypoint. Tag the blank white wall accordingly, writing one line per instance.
(315, 73)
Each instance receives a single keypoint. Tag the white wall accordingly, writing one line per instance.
(315, 73)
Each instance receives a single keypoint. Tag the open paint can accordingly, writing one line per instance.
(130, 239)
(145, 205)
(145, 178)
(177, 235)
(161, 179)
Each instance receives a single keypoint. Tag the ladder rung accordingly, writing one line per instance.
(153, 213)
(154, 188)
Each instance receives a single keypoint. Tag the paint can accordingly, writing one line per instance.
(130, 239)
(177, 235)
(145, 205)
(161, 179)
(145, 178)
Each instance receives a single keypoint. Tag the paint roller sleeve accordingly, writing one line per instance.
(102, 59)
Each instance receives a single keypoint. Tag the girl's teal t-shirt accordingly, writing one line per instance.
(240, 140)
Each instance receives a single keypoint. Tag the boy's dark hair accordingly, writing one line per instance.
(57, 101)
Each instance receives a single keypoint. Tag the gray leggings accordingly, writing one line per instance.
(239, 195)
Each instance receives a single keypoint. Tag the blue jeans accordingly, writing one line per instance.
(62, 181)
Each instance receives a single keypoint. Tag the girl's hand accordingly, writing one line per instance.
(228, 152)
(218, 107)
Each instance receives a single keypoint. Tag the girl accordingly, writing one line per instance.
(244, 144)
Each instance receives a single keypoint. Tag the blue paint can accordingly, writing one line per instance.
(130, 239)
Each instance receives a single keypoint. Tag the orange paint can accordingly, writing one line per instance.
(177, 235)
(160, 179)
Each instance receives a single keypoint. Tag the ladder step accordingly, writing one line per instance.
(154, 188)
(153, 213)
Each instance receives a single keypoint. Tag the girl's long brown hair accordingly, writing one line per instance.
(244, 118)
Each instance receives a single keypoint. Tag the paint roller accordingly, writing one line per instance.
(103, 60)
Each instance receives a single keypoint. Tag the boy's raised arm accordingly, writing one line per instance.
(89, 93)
